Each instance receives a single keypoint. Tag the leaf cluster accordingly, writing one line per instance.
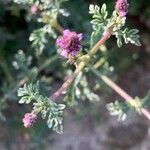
(80, 90)
(50, 110)
(25, 1)
(118, 109)
(49, 10)
(129, 36)
(98, 22)
(115, 23)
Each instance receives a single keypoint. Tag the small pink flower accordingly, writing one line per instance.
(122, 7)
(70, 43)
(34, 9)
(29, 119)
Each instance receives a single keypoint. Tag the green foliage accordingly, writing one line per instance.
(121, 109)
(98, 22)
(118, 109)
(99, 16)
(146, 100)
(25, 1)
(22, 61)
(26, 66)
(115, 23)
(38, 39)
(80, 90)
(54, 6)
(47, 3)
(23, 66)
(55, 117)
(129, 36)
(49, 10)
(29, 93)
(49, 109)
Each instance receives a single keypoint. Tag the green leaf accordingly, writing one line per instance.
(146, 100)
(91, 9)
(118, 109)
(50, 123)
(24, 1)
(99, 15)
(119, 40)
(77, 80)
(96, 34)
(44, 113)
(99, 21)
(61, 106)
(104, 11)
(131, 36)
(55, 116)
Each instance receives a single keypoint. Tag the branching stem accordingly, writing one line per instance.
(122, 93)
(108, 81)
(81, 65)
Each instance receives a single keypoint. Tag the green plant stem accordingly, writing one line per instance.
(57, 26)
(81, 65)
(99, 63)
(48, 62)
(121, 92)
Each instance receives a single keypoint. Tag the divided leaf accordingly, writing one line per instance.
(48, 108)
(28, 93)
(118, 109)
(131, 36)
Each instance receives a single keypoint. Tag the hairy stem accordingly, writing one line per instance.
(121, 92)
(81, 65)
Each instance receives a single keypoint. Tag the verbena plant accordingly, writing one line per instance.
(91, 60)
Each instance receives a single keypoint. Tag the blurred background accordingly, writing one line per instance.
(88, 127)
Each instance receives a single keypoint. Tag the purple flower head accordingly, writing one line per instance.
(29, 119)
(70, 43)
(122, 7)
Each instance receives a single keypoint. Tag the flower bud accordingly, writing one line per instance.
(122, 7)
(29, 119)
(34, 9)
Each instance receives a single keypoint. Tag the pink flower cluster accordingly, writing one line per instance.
(70, 43)
(122, 7)
(29, 119)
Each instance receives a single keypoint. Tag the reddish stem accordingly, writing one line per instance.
(82, 64)
(123, 94)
